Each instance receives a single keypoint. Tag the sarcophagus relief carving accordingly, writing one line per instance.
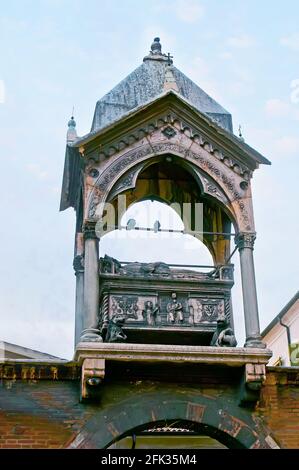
(151, 302)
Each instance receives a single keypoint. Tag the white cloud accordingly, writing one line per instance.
(241, 42)
(37, 171)
(275, 107)
(292, 41)
(189, 11)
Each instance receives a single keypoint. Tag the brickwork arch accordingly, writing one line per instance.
(231, 426)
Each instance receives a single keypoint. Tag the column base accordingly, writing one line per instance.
(255, 343)
(91, 335)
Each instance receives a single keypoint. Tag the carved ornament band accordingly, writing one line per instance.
(89, 229)
(245, 240)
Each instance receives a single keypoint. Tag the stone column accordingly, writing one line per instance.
(91, 284)
(245, 243)
(78, 265)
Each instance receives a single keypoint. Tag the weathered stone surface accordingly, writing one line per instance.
(172, 353)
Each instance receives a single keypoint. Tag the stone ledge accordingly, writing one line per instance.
(171, 353)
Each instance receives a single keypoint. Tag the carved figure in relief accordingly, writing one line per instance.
(125, 305)
(150, 312)
(115, 333)
(174, 310)
(224, 335)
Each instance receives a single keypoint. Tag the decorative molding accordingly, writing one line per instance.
(93, 172)
(89, 229)
(213, 190)
(172, 353)
(245, 240)
(169, 132)
(127, 181)
(104, 313)
(118, 166)
(181, 126)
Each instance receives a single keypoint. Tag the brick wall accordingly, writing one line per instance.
(46, 413)
(279, 405)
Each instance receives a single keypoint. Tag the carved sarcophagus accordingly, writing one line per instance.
(154, 303)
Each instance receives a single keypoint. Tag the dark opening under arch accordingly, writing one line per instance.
(167, 179)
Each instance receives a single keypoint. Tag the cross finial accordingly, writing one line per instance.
(240, 133)
(169, 59)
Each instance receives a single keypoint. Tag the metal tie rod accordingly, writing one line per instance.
(169, 230)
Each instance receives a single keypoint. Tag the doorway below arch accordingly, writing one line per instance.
(176, 434)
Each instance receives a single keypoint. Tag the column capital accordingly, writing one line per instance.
(89, 229)
(245, 240)
(78, 264)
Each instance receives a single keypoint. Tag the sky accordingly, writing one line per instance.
(56, 54)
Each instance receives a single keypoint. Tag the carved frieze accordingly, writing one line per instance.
(204, 310)
(161, 310)
(174, 309)
(126, 305)
(169, 131)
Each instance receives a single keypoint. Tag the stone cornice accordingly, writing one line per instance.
(160, 113)
(172, 353)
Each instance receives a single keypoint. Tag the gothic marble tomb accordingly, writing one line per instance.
(158, 136)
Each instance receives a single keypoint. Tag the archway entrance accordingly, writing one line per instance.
(165, 414)
(173, 434)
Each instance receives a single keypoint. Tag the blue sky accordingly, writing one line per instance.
(58, 53)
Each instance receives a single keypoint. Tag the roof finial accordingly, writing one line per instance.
(71, 132)
(156, 46)
(156, 53)
(240, 134)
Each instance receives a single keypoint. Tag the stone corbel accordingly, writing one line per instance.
(253, 380)
(92, 375)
